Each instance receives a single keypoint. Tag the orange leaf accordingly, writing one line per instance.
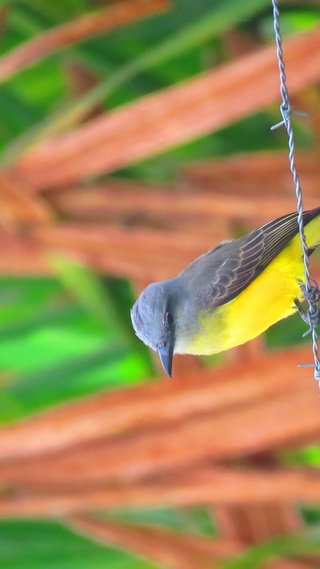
(173, 116)
(77, 30)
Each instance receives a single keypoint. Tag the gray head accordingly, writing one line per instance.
(153, 319)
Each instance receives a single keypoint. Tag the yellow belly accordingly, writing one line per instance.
(269, 298)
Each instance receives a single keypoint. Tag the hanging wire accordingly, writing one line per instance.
(310, 288)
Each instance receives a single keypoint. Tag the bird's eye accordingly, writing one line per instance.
(168, 319)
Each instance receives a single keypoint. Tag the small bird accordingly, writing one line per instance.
(230, 294)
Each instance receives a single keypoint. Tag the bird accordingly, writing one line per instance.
(230, 294)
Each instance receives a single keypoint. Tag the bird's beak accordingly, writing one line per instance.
(166, 356)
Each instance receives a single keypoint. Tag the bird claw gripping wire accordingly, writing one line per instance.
(312, 318)
(312, 296)
(312, 315)
(311, 293)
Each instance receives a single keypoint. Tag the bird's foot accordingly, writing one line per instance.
(312, 315)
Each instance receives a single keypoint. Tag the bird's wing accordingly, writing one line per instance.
(236, 264)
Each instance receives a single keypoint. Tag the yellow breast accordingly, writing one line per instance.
(269, 298)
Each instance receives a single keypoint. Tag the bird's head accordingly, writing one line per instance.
(153, 319)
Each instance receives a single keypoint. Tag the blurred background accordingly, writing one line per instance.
(135, 135)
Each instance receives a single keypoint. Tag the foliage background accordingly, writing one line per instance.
(65, 332)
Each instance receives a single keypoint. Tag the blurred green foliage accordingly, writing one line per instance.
(43, 544)
(68, 336)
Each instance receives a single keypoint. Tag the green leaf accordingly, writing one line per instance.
(84, 285)
(306, 544)
(45, 544)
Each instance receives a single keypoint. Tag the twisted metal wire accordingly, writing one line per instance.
(310, 288)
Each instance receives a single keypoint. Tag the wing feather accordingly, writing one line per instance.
(234, 265)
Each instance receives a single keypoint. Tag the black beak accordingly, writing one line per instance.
(166, 356)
